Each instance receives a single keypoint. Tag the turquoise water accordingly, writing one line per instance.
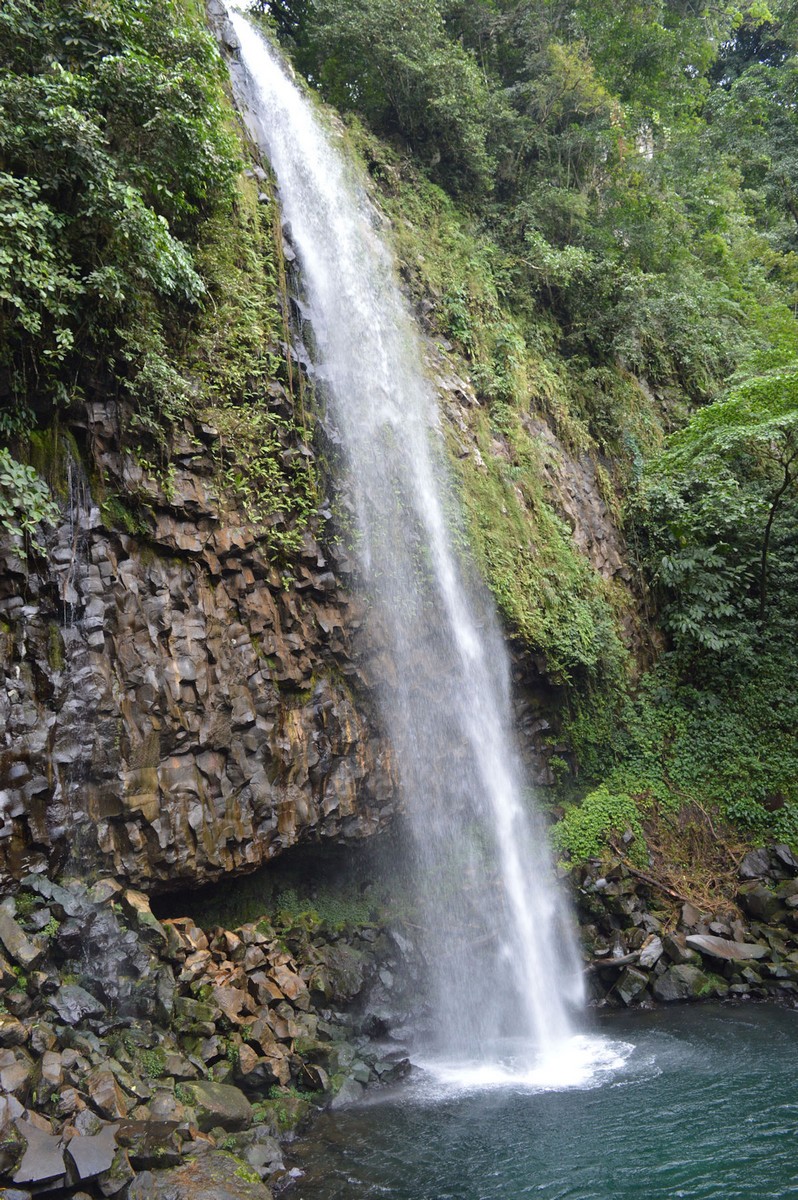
(701, 1103)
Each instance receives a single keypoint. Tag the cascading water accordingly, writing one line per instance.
(501, 954)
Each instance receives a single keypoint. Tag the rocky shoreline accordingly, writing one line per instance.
(646, 945)
(143, 1058)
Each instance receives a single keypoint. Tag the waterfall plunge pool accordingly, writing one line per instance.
(699, 1102)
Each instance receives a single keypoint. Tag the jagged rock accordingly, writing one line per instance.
(651, 953)
(104, 890)
(12, 1145)
(755, 865)
(393, 1068)
(43, 1160)
(759, 901)
(137, 905)
(677, 950)
(681, 982)
(16, 1071)
(350, 1092)
(692, 917)
(263, 1154)
(106, 1096)
(207, 1175)
(232, 1001)
(87, 1123)
(219, 1104)
(314, 1078)
(69, 1102)
(151, 1143)
(339, 973)
(723, 948)
(7, 976)
(42, 1037)
(17, 943)
(12, 1031)
(289, 983)
(68, 902)
(73, 1003)
(117, 1177)
(92, 1156)
(166, 1108)
(628, 988)
(786, 858)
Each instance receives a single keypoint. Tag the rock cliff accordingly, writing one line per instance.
(173, 707)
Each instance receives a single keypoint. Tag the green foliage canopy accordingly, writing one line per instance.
(112, 151)
(712, 501)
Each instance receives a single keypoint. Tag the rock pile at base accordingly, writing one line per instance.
(642, 947)
(141, 1058)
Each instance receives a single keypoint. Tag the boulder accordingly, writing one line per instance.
(12, 1145)
(755, 865)
(16, 1071)
(677, 950)
(12, 1031)
(151, 1143)
(68, 902)
(73, 1003)
(93, 1156)
(263, 1154)
(207, 1175)
(17, 943)
(43, 1160)
(117, 1177)
(219, 1104)
(759, 901)
(628, 987)
(350, 1092)
(681, 982)
(315, 1078)
(723, 948)
(651, 953)
(785, 858)
(106, 1095)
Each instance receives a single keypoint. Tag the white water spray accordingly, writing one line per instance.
(502, 960)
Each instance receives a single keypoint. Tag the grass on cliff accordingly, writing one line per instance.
(718, 753)
(549, 594)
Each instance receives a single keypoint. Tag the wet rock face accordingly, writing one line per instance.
(173, 707)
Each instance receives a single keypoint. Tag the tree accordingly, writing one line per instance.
(395, 64)
(713, 499)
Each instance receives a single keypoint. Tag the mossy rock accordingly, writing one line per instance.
(219, 1104)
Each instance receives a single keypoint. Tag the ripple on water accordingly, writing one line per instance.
(696, 1104)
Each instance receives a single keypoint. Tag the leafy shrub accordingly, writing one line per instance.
(586, 829)
(25, 501)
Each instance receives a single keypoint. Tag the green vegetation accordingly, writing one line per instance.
(138, 264)
(153, 1062)
(595, 207)
(586, 828)
(25, 501)
(284, 902)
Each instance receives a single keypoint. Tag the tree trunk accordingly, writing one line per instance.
(763, 565)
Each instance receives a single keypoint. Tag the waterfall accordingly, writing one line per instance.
(502, 961)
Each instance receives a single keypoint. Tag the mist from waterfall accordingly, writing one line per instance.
(497, 936)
